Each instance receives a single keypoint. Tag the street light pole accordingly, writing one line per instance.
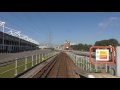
(3, 35)
(2, 24)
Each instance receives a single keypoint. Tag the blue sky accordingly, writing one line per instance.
(76, 27)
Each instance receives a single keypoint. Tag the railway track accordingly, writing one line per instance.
(60, 67)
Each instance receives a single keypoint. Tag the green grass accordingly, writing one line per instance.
(7, 74)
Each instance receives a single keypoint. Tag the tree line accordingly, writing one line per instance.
(85, 47)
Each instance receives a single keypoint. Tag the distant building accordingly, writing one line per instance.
(42, 47)
(64, 46)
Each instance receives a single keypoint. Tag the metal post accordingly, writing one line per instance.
(26, 63)
(70, 54)
(90, 67)
(32, 60)
(53, 54)
(77, 61)
(3, 34)
(83, 63)
(86, 63)
(16, 67)
(72, 57)
(36, 58)
(39, 58)
(19, 41)
(106, 68)
(45, 56)
(80, 62)
(42, 56)
(75, 57)
(49, 55)
(96, 68)
(117, 69)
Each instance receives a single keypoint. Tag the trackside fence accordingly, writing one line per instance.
(84, 63)
(20, 65)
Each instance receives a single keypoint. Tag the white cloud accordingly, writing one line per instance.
(113, 18)
(103, 24)
(111, 21)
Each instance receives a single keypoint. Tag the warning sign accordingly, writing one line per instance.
(42, 59)
(102, 55)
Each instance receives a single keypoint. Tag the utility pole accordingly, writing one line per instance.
(2, 24)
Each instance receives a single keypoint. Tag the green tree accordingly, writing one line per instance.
(111, 41)
(81, 47)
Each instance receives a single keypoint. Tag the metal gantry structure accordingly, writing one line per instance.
(20, 35)
(14, 40)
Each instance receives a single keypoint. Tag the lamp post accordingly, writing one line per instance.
(3, 34)
(2, 24)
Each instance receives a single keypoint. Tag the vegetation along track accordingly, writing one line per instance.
(60, 67)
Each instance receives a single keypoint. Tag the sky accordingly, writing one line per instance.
(56, 27)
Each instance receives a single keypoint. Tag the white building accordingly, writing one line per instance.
(42, 47)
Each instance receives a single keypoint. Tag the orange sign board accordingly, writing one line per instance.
(103, 56)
